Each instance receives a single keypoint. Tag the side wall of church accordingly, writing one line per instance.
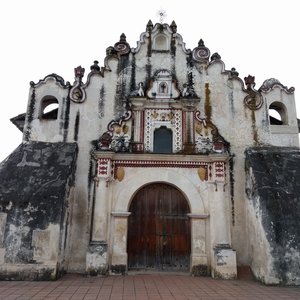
(273, 208)
(36, 187)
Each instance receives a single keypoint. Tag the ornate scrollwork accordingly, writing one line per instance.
(201, 53)
(254, 99)
(117, 137)
(54, 76)
(208, 138)
(77, 92)
(269, 84)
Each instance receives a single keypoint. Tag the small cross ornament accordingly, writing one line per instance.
(162, 14)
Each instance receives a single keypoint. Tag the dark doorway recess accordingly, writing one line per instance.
(159, 234)
(163, 140)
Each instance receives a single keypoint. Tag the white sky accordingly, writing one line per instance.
(39, 37)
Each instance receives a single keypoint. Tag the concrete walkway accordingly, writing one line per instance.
(140, 287)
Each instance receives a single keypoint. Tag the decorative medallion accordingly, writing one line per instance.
(122, 47)
(202, 173)
(201, 53)
(120, 173)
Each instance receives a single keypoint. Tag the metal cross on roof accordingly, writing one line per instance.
(162, 14)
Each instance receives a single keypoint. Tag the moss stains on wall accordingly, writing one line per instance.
(30, 113)
(207, 105)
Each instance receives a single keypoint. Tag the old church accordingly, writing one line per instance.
(160, 160)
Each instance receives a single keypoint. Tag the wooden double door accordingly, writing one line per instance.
(159, 234)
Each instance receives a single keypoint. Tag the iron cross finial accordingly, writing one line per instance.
(162, 14)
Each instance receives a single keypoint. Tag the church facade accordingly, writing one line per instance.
(161, 160)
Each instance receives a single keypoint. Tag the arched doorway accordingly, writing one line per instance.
(159, 235)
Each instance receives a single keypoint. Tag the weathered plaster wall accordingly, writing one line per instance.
(273, 207)
(34, 194)
(220, 95)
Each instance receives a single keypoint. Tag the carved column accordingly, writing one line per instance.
(188, 139)
(137, 126)
(100, 209)
(220, 230)
(119, 242)
(138, 131)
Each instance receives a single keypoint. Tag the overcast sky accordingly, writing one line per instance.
(39, 37)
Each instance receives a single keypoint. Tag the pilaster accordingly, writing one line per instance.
(223, 256)
(119, 242)
(199, 261)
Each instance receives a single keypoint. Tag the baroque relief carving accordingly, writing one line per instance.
(254, 99)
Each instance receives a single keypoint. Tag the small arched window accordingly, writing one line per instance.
(163, 140)
(49, 108)
(278, 114)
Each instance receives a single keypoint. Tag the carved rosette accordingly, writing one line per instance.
(122, 47)
(201, 53)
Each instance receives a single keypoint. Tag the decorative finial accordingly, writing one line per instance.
(173, 26)
(79, 72)
(162, 14)
(95, 66)
(149, 26)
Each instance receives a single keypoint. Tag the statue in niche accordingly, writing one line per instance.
(185, 92)
(105, 141)
(139, 91)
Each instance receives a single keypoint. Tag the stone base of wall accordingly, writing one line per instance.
(29, 272)
(96, 259)
(224, 262)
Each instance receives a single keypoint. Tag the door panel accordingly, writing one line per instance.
(159, 229)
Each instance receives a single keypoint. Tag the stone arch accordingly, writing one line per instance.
(49, 108)
(278, 114)
(135, 182)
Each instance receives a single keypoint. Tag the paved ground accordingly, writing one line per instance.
(140, 287)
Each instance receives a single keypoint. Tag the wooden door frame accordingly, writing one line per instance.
(174, 249)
